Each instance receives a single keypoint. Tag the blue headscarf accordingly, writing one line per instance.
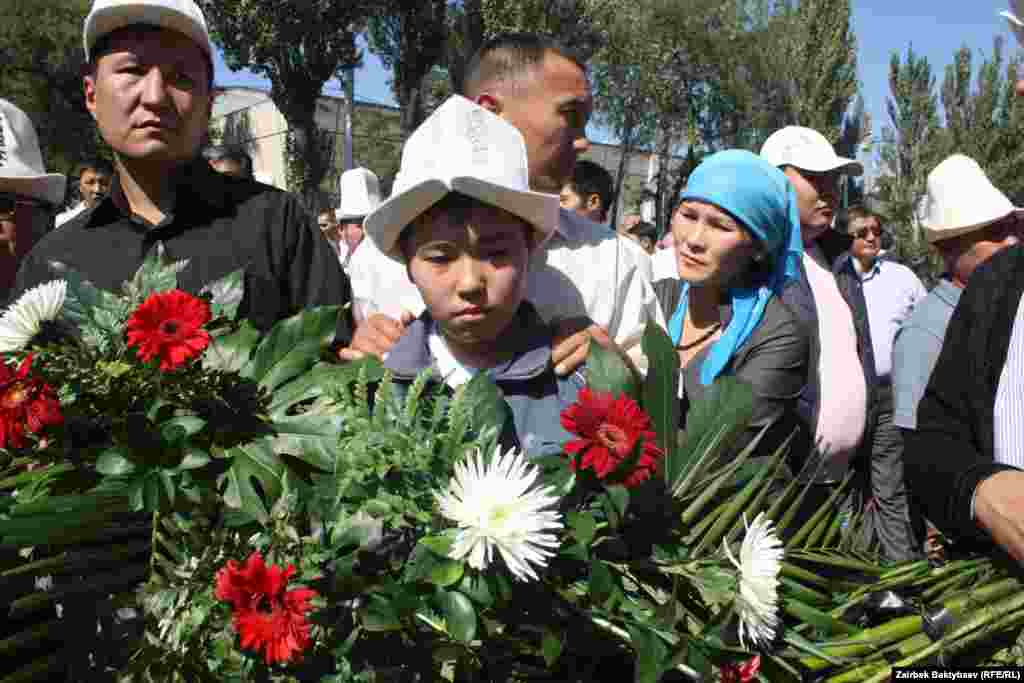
(763, 200)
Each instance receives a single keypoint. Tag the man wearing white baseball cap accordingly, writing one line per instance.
(837, 401)
(28, 194)
(463, 221)
(149, 87)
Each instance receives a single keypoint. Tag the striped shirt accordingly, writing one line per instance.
(1008, 412)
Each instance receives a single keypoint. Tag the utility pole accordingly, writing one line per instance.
(350, 106)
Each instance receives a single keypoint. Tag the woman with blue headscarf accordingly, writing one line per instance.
(737, 244)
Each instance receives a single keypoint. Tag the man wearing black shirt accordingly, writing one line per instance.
(149, 88)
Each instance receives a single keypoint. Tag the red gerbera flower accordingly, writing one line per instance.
(266, 616)
(741, 673)
(169, 326)
(26, 402)
(609, 428)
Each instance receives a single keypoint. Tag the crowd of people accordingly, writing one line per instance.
(492, 254)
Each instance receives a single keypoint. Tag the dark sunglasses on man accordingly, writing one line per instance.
(862, 234)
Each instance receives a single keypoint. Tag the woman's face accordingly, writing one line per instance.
(712, 248)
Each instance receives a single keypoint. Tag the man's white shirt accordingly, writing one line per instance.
(584, 270)
(66, 216)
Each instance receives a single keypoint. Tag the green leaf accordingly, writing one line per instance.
(615, 502)
(439, 545)
(97, 313)
(607, 371)
(114, 462)
(380, 615)
(460, 615)
(446, 573)
(488, 408)
(227, 293)
(254, 462)
(660, 391)
(230, 352)
(311, 438)
(476, 588)
(711, 425)
(584, 526)
(292, 346)
(194, 459)
(551, 647)
(651, 654)
(319, 381)
(114, 369)
(178, 429)
(157, 273)
(602, 583)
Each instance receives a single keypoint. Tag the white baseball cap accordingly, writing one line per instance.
(462, 148)
(360, 194)
(21, 162)
(960, 200)
(807, 150)
(183, 16)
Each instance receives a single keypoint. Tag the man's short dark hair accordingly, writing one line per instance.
(645, 229)
(231, 153)
(102, 47)
(511, 56)
(591, 178)
(96, 166)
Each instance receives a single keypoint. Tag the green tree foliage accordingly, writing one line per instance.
(985, 120)
(817, 60)
(573, 22)
(410, 37)
(41, 62)
(298, 47)
(912, 144)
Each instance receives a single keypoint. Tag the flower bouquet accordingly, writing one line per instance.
(305, 521)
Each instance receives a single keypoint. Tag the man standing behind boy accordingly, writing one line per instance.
(591, 283)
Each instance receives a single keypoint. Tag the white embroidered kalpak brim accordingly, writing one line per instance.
(961, 199)
(21, 162)
(462, 148)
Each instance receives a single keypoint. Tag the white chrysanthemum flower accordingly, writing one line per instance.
(494, 506)
(24, 318)
(759, 565)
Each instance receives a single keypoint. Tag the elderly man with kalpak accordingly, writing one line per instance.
(965, 458)
(360, 196)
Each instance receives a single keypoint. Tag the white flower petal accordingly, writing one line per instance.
(496, 506)
(24, 318)
(760, 562)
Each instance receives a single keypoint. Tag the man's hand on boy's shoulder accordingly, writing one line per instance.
(375, 336)
(571, 343)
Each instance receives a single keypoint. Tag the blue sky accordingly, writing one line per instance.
(936, 28)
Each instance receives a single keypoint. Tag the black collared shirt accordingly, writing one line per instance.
(220, 224)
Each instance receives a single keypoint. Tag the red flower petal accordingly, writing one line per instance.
(168, 326)
(282, 633)
(609, 429)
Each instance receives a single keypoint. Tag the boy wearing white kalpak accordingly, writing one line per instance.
(463, 221)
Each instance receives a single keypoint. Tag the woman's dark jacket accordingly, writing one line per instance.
(773, 361)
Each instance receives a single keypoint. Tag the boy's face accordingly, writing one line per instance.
(470, 267)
